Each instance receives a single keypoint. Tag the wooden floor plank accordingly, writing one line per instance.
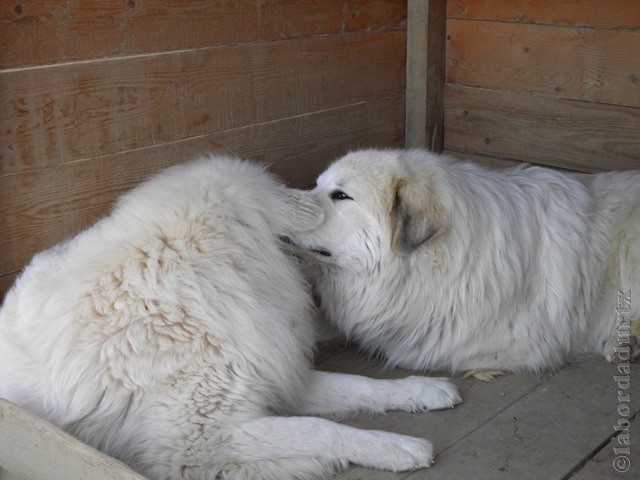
(546, 434)
(602, 466)
(481, 402)
(518, 426)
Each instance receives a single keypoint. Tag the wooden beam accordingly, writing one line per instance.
(31, 447)
(426, 29)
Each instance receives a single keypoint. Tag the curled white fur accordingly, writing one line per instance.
(174, 331)
(522, 271)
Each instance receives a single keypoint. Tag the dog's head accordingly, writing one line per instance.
(377, 204)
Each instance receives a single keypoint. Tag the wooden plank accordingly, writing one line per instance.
(545, 434)
(595, 13)
(481, 402)
(564, 133)
(65, 113)
(41, 208)
(31, 448)
(578, 63)
(607, 464)
(286, 19)
(6, 281)
(425, 73)
(42, 32)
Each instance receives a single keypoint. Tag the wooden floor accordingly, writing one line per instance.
(552, 426)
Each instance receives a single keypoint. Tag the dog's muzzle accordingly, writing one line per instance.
(320, 251)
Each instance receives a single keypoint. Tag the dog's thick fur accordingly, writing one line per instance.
(174, 331)
(441, 264)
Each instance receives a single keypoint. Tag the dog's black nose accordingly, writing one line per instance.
(285, 239)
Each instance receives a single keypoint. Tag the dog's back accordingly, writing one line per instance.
(149, 327)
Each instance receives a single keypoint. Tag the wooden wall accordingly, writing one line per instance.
(95, 95)
(552, 82)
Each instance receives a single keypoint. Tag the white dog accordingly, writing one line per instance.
(438, 264)
(172, 333)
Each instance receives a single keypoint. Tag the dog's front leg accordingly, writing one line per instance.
(302, 447)
(338, 395)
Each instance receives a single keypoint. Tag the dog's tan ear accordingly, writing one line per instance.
(417, 216)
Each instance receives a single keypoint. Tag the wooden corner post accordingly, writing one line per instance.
(424, 114)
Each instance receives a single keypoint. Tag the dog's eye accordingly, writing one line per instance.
(340, 195)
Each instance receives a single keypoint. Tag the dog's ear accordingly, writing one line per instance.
(302, 212)
(417, 217)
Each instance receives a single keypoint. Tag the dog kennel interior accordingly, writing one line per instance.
(95, 96)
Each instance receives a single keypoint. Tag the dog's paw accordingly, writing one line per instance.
(624, 348)
(426, 393)
(401, 453)
(484, 375)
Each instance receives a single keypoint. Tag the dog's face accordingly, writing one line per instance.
(375, 206)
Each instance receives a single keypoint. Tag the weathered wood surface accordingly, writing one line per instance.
(425, 74)
(95, 96)
(558, 132)
(42, 207)
(607, 464)
(586, 64)
(33, 449)
(72, 112)
(44, 32)
(545, 82)
(591, 13)
(518, 426)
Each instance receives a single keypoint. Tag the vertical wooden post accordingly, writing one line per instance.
(424, 115)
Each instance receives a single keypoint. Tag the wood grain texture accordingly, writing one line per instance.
(65, 113)
(580, 63)
(594, 13)
(425, 74)
(31, 447)
(42, 207)
(601, 466)
(445, 428)
(6, 281)
(41, 32)
(545, 435)
(564, 133)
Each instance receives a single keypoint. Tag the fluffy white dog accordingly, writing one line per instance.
(439, 264)
(173, 332)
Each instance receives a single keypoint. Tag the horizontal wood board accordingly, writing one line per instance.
(601, 66)
(564, 133)
(616, 14)
(41, 32)
(555, 83)
(71, 112)
(40, 208)
(95, 96)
